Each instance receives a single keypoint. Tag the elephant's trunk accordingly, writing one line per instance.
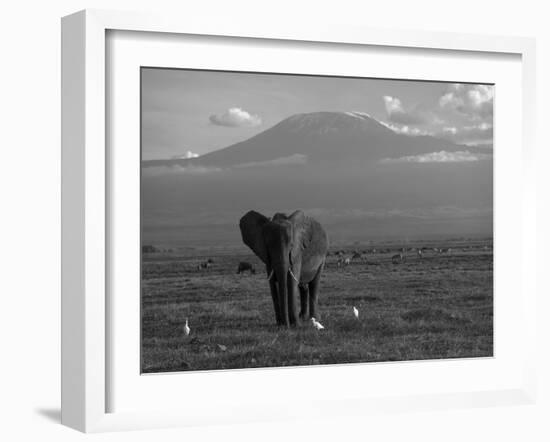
(282, 273)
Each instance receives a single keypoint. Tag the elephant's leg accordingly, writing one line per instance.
(314, 294)
(282, 291)
(275, 297)
(304, 293)
(292, 301)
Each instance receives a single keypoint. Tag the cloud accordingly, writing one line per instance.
(195, 169)
(474, 101)
(178, 170)
(397, 114)
(406, 130)
(439, 157)
(481, 133)
(235, 117)
(186, 156)
(471, 135)
(463, 114)
(283, 161)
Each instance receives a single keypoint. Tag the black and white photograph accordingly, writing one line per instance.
(298, 220)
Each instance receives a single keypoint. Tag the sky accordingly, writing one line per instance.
(188, 113)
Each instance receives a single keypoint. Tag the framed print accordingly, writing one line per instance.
(298, 220)
(379, 220)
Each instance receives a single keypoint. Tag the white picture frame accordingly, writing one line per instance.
(86, 202)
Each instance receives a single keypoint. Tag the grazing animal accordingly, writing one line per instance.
(246, 266)
(343, 262)
(186, 328)
(396, 259)
(356, 255)
(203, 265)
(149, 249)
(294, 250)
(317, 324)
(355, 312)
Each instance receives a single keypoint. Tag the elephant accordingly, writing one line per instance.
(293, 249)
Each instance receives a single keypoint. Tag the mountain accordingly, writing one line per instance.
(320, 137)
(333, 165)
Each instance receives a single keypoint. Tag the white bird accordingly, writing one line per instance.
(316, 324)
(186, 329)
(356, 312)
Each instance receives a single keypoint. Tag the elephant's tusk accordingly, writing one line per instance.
(270, 275)
(293, 276)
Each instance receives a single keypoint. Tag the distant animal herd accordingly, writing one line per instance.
(343, 257)
(346, 257)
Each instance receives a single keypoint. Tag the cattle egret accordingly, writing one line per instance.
(186, 329)
(316, 324)
(356, 312)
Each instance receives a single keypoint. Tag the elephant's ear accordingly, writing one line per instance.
(251, 230)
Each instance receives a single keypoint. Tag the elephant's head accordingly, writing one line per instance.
(278, 242)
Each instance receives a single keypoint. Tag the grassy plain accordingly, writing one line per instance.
(437, 306)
